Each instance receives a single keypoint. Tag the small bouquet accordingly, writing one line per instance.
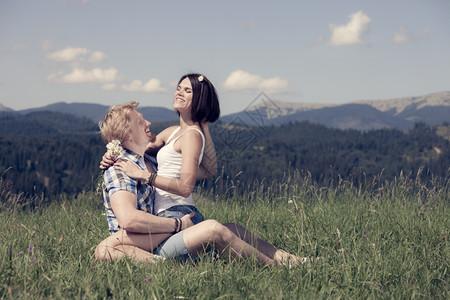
(115, 151)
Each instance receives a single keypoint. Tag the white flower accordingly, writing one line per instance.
(200, 78)
(115, 149)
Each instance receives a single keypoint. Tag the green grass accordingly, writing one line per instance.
(378, 241)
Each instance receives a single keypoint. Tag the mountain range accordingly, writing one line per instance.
(400, 113)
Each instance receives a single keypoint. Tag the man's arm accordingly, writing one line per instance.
(124, 205)
(208, 165)
(159, 141)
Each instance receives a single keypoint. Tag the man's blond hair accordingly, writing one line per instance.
(117, 123)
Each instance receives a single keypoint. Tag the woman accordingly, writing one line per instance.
(180, 151)
(183, 147)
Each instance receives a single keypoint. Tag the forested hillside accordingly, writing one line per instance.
(50, 153)
(325, 154)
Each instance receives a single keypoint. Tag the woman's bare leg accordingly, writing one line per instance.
(279, 256)
(211, 233)
(126, 244)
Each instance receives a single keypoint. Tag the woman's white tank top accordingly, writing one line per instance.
(169, 165)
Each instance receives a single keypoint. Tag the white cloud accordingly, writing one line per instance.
(97, 56)
(74, 55)
(401, 36)
(151, 86)
(350, 33)
(274, 84)
(80, 75)
(69, 54)
(78, 58)
(242, 80)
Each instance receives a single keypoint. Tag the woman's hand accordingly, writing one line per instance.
(131, 169)
(204, 125)
(106, 162)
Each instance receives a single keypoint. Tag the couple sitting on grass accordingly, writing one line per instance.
(148, 203)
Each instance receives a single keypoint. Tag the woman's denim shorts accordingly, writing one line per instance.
(179, 211)
(174, 246)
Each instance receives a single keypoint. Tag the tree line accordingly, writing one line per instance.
(329, 155)
(52, 153)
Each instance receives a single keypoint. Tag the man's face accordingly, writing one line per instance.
(140, 129)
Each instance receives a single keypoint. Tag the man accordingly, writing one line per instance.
(128, 203)
(136, 232)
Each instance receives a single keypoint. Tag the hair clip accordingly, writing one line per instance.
(200, 78)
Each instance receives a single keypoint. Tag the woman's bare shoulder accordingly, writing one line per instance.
(164, 135)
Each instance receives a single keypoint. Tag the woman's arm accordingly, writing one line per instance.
(208, 165)
(190, 147)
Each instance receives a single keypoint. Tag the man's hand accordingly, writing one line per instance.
(186, 221)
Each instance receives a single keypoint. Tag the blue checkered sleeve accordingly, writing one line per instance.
(116, 180)
(113, 181)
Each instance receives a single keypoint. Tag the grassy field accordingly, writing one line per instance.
(381, 241)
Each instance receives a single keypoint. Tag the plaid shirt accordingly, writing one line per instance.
(115, 180)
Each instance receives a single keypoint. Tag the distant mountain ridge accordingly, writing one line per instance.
(401, 113)
(96, 112)
(4, 108)
(397, 106)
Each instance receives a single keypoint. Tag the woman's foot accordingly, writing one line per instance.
(283, 258)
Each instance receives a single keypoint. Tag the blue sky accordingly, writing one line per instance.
(323, 51)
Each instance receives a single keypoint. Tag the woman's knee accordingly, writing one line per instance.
(234, 227)
(217, 231)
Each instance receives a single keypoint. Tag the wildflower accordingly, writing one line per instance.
(146, 279)
(20, 253)
(421, 213)
(115, 150)
(30, 248)
(366, 234)
(32, 261)
(10, 249)
(239, 254)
